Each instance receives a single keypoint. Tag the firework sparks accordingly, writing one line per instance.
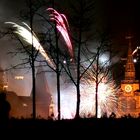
(26, 35)
(62, 26)
(107, 100)
(136, 50)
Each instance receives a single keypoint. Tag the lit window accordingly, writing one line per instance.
(24, 104)
(19, 77)
(5, 86)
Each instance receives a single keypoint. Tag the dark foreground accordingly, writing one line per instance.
(82, 123)
(68, 129)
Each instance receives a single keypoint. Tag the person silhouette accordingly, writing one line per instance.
(4, 108)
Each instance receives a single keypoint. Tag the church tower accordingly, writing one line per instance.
(3, 80)
(129, 97)
(51, 109)
(129, 68)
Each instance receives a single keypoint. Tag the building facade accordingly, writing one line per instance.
(129, 96)
(22, 106)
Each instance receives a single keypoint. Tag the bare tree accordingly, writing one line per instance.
(32, 53)
(81, 20)
(53, 45)
(101, 67)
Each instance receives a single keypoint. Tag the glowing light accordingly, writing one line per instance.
(26, 35)
(135, 60)
(104, 59)
(128, 88)
(19, 77)
(138, 47)
(64, 61)
(62, 25)
(24, 104)
(107, 99)
(5, 86)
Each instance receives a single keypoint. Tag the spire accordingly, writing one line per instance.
(51, 109)
(1, 78)
(130, 68)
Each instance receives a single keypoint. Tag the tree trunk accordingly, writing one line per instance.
(32, 65)
(78, 102)
(57, 71)
(96, 101)
(78, 74)
(33, 91)
(58, 80)
(97, 83)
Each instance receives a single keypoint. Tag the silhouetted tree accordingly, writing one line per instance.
(29, 50)
(81, 19)
(52, 40)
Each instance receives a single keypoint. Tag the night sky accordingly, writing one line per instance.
(123, 18)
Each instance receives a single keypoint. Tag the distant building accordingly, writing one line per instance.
(21, 106)
(129, 97)
(3, 81)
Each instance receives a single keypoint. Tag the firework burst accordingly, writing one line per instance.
(107, 93)
(107, 99)
(62, 26)
(29, 37)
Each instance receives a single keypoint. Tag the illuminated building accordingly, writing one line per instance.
(51, 109)
(21, 106)
(43, 94)
(3, 80)
(129, 97)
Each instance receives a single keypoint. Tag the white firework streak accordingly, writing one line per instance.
(26, 35)
(60, 20)
(107, 100)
